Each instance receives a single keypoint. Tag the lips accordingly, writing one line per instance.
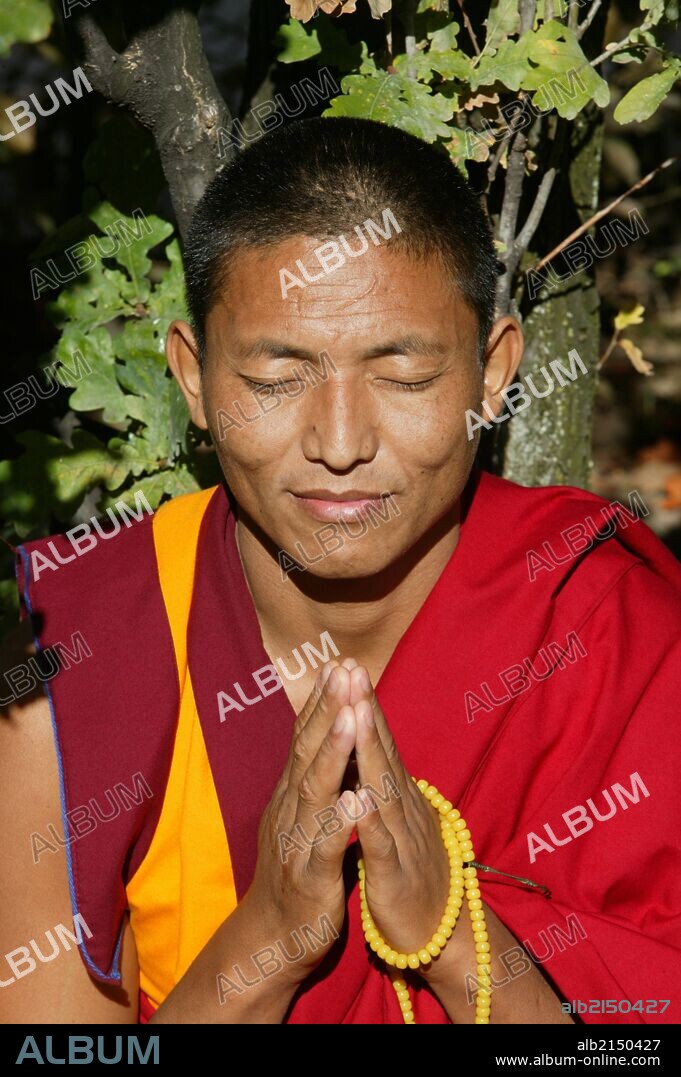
(329, 505)
(343, 495)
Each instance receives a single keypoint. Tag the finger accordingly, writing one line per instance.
(379, 848)
(313, 698)
(306, 743)
(320, 785)
(312, 701)
(328, 851)
(362, 689)
(376, 773)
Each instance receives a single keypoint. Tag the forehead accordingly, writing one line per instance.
(385, 288)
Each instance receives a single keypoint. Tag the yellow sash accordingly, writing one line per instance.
(184, 888)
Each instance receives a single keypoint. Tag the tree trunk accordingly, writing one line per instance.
(163, 77)
(550, 442)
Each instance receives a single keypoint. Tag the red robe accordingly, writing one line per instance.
(537, 687)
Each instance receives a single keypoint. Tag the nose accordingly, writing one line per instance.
(340, 423)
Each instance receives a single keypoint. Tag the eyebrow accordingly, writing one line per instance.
(411, 344)
(263, 348)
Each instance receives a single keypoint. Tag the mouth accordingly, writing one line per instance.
(329, 505)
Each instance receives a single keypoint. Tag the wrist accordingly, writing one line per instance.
(270, 942)
(448, 974)
(451, 962)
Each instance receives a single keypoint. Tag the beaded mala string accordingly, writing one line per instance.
(462, 876)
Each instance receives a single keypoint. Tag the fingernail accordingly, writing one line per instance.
(333, 681)
(341, 722)
(325, 673)
(365, 681)
(366, 710)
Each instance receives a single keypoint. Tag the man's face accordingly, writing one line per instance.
(388, 418)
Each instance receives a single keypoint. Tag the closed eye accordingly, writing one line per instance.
(265, 387)
(411, 386)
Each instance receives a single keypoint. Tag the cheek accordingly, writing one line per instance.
(428, 430)
(249, 430)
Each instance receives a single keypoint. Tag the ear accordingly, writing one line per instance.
(182, 353)
(502, 359)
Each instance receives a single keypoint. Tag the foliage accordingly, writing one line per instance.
(113, 319)
(132, 431)
(24, 21)
(443, 90)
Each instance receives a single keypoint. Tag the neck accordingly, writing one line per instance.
(365, 617)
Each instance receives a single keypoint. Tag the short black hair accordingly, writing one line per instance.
(320, 178)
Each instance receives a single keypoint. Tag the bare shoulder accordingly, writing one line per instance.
(42, 977)
(28, 765)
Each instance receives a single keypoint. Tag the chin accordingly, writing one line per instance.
(350, 571)
(341, 565)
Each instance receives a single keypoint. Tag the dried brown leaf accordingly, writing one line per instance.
(672, 489)
(304, 10)
(479, 100)
(636, 356)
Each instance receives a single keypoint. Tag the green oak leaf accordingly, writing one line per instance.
(135, 237)
(141, 337)
(149, 387)
(561, 73)
(448, 65)
(640, 41)
(28, 492)
(171, 482)
(134, 456)
(646, 96)
(25, 21)
(51, 478)
(86, 464)
(98, 390)
(660, 11)
(451, 65)
(502, 22)
(95, 298)
(559, 8)
(442, 58)
(396, 100)
(468, 145)
(444, 39)
(167, 299)
(297, 42)
(508, 66)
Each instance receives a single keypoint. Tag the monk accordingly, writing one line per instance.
(362, 706)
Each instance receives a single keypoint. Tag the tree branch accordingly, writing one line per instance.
(512, 127)
(508, 219)
(469, 28)
(573, 8)
(528, 10)
(524, 237)
(163, 77)
(591, 15)
(600, 214)
(513, 191)
(101, 59)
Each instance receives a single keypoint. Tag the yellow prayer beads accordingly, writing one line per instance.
(462, 877)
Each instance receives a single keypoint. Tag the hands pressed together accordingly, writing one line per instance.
(340, 739)
(407, 870)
